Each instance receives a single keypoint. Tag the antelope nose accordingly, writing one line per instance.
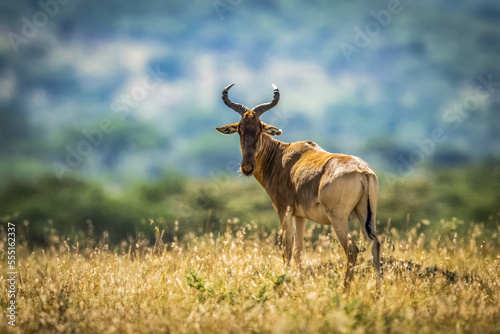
(247, 169)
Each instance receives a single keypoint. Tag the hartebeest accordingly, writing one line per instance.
(306, 182)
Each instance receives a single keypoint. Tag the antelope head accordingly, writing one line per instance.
(250, 128)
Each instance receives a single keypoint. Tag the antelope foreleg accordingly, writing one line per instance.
(300, 226)
(287, 236)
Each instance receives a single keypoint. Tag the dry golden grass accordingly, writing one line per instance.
(238, 283)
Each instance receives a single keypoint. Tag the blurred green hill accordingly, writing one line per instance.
(445, 201)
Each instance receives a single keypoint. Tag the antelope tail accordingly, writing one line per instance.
(368, 223)
(370, 220)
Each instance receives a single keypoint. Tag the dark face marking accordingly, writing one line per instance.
(250, 128)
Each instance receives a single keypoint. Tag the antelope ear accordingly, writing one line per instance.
(271, 130)
(228, 129)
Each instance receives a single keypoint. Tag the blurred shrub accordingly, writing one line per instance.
(469, 194)
(178, 206)
(70, 207)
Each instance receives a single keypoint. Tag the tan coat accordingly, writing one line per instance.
(306, 182)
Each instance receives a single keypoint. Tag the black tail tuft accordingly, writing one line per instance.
(368, 224)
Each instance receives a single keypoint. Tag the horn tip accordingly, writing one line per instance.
(274, 86)
(226, 89)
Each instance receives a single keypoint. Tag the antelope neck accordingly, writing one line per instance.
(268, 159)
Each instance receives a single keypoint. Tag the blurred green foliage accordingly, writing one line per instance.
(469, 194)
(179, 205)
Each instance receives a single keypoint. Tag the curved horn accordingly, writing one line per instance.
(262, 108)
(239, 108)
